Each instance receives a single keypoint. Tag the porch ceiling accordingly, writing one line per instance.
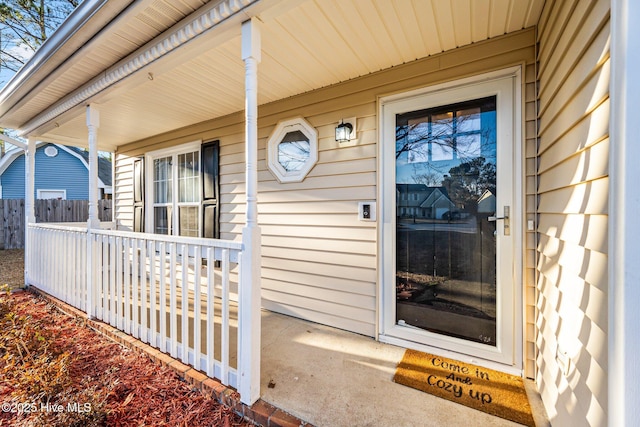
(306, 45)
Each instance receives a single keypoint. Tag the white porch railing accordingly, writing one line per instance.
(174, 293)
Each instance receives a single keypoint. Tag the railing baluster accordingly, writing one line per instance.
(56, 267)
(77, 294)
(68, 239)
(56, 263)
(34, 258)
(119, 277)
(97, 284)
(144, 329)
(152, 294)
(135, 275)
(59, 260)
(69, 284)
(197, 307)
(76, 280)
(45, 252)
(184, 304)
(104, 289)
(62, 261)
(70, 277)
(80, 293)
(49, 261)
(173, 311)
(72, 294)
(113, 267)
(50, 257)
(224, 375)
(127, 285)
(211, 360)
(89, 280)
(163, 297)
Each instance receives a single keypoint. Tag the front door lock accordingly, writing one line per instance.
(505, 218)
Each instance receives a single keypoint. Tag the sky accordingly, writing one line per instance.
(6, 74)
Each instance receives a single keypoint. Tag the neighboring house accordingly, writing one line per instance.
(419, 201)
(536, 98)
(487, 202)
(61, 173)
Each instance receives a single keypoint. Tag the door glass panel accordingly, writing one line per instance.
(445, 244)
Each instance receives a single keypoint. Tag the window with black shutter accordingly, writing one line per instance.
(183, 191)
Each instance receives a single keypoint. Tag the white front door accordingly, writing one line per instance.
(449, 163)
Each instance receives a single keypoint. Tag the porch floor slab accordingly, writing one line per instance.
(333, 378)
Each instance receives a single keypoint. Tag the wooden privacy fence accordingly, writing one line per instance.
(12, 215)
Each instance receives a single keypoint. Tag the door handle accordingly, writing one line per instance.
(505, 218)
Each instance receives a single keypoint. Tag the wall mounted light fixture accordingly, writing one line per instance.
(343, 131)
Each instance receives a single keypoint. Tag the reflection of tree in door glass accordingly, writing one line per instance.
(445, 246)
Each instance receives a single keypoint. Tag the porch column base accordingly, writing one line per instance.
(249, 317)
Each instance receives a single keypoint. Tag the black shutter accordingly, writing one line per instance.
(138, 195)
(210, 190)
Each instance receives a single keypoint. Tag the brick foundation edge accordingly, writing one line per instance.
(260, 413)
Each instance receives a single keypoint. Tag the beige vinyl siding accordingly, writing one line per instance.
(572, 205)
(528, 262)
(319, 262)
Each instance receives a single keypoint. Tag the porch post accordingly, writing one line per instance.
(113, 191)
(249, 293)
(624, 203)
(93, 122)
(29, 200)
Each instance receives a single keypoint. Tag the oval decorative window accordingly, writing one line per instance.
(292, 150)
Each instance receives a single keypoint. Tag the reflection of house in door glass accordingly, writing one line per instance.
(445, 245)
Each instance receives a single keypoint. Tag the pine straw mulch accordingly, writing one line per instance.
(12, 268)
(118, 386)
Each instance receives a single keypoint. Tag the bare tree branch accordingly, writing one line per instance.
(25, 25)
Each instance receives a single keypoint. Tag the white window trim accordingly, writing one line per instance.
(282, 128)
(57, 190)
(149, 193)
